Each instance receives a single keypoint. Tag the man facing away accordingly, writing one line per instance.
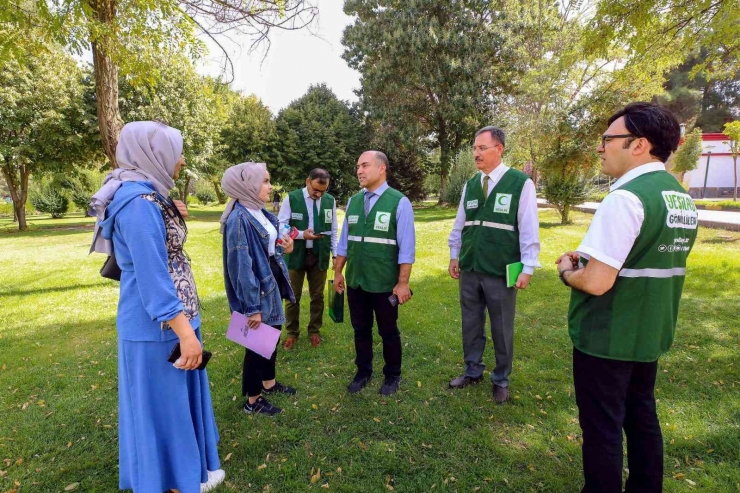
(624, 302)
(313, 212)
(378, 245)
(496, 225)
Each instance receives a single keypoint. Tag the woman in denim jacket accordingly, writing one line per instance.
(255, 273)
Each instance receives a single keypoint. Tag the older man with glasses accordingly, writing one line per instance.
(496, 225)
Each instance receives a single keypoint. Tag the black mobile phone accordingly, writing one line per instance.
(175, 354)
(394, 299)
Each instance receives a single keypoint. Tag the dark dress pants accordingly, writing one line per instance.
(363, 306)
(257, 369)
(613, 396)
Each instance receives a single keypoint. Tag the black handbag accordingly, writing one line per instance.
(110, 269)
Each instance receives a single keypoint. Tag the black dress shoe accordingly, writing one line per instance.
(461, 382)
(358, 383)
(278, 388)
(390, 386)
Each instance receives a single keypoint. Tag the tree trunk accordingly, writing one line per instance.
(565, 214)
(106, 81)
(184, 191)
(444, 166)
(734, 168)
(219, 194)
(19, 196)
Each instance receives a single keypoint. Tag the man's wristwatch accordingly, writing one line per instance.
(562, 276)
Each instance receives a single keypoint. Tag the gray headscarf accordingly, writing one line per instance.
(243, 182)
(146, 151)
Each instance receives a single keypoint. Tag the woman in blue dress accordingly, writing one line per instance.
(255, 274)
(167, 432)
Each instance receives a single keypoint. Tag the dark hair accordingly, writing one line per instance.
(654, 123)
(319, 174)
(496, 134)
(380, 156)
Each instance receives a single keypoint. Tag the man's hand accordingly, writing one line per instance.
(403, 292)
(522, 281)
(567, 261)
(254, 321)
(309, 235)
(181, 207)
(454, 268)
(338, 282)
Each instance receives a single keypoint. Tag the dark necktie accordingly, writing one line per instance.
(368, 196)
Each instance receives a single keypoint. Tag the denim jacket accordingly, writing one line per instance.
(250, 285)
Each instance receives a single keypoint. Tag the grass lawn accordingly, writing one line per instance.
(58, 387)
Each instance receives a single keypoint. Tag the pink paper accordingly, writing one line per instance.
(262, 340)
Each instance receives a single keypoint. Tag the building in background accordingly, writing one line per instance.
(721, 178)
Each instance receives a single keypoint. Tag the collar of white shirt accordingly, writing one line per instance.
(379, 191)
(495, 175)
(634, 173)
(305, 193)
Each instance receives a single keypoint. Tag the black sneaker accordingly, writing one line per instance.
(261, 406)
(278, 388)
(358, 383)
(390, 386)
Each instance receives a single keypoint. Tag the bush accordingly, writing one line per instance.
(205, 196)
(462, 170)
(565, 192)
(50, 200)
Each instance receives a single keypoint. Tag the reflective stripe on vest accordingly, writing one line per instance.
(507, 227)
(654, 273)
(382, 241)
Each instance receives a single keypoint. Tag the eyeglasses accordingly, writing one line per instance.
(484, 148)
(314, 190)
(607, 137)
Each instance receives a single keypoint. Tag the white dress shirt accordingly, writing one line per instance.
(285, 214)
(271, 231)
(528, 221)
(617, 221)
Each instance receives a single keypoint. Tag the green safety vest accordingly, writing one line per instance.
(636, 319)
(490, 238)
(299, 218)
(372, 249)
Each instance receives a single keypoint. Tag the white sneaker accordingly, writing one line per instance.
(215, 478)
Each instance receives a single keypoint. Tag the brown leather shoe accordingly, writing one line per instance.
(315, 340)
(290, 342)
(500, 394)
(463, 381)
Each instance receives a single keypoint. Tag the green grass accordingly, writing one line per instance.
(58, 388)
(725, 204)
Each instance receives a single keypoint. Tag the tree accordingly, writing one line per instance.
(47, 122)
(433, 68)
(196, 105)
(687, 156)
(668, 29)
(699, 97)
(732, 130)
(319, 131)
(129, 37)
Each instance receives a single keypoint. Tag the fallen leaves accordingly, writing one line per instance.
(315, 477)
(71, 487)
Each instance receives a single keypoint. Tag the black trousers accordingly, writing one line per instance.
(362, 307)
(256, 369)
(611, 396)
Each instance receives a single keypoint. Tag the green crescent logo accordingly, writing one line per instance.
(502, 197)
(383, 218)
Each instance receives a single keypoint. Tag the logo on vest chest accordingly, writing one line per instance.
(681, 210)
(297, 216)
(352, 219)
(502, 203)
(328, 216)
(382, 221)
(472, 204)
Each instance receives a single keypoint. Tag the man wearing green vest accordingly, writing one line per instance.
(626, 278)
(378, 246)
(496, 225)
(313, 212)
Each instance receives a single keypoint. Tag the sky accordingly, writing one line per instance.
(295, 60)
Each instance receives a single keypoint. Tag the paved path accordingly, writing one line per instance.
(708, 219)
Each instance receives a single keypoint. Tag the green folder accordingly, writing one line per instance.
(512, 273)
(335, 302)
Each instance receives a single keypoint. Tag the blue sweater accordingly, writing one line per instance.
(148, 295)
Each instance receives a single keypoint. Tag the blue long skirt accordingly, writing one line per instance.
(167, 431)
